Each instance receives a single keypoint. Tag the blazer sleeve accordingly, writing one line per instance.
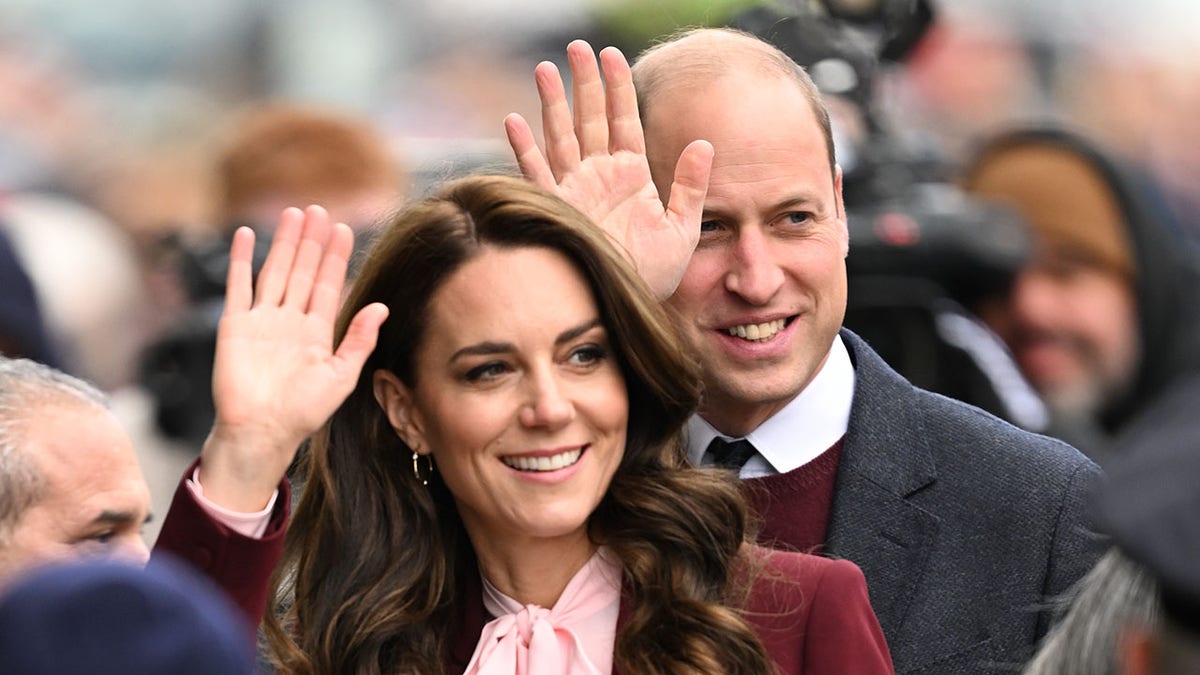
(814, 617)
(843, 635)
(240, 565)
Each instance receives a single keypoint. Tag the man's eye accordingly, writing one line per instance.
(799, 217)
(708, 226)
(101, 538)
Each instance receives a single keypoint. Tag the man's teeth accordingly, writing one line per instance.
(758, 331)
(548, 463)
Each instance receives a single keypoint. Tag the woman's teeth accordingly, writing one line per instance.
(544, 463)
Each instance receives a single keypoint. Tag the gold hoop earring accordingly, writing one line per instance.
(417, 469)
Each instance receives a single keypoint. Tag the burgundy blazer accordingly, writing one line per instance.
(811, 613)
(240, 565)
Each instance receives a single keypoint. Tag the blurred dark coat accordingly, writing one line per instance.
(22, 327)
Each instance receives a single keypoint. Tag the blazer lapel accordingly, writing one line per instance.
(885, 459)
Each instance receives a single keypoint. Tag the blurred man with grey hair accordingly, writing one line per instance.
(70, 483)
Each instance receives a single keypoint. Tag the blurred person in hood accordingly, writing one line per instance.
(1104, 321)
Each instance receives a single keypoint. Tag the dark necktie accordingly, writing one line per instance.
(730, 454)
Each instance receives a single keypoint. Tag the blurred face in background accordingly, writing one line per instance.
(1072, 326)
(94, 500)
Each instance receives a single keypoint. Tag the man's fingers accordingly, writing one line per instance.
(529, 157)
(591, 120)
(562, 148)
(624, 125)
(331, 276)
(310, 253)
(272, 278)
(239, 291)
(685, 206)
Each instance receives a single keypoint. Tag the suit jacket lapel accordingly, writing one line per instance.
(885, 459)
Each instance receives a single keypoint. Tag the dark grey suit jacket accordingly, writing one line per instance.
(963, 524)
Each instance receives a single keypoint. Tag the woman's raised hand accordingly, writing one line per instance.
(596, 161)
(276, 375)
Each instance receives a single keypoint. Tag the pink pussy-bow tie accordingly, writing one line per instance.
(540, 641)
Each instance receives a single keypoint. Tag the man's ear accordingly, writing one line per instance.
(1138, 652)
(397, 402)
(840, 207)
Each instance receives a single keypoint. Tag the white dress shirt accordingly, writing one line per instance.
(803, 429)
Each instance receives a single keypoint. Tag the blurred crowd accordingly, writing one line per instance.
(1021, 178)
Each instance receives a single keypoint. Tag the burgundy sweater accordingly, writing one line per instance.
(794, 507)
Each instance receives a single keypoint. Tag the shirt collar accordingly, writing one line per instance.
(803, 429)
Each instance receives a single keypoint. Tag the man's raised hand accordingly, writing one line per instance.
(595, 159)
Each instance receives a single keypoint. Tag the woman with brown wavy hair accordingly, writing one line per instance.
(504, 490)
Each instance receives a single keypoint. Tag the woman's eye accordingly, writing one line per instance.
(486, 371)
(586, 356)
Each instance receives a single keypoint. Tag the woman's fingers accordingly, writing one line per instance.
(273, 277)
(360, 339)
(331, 275)
(239, 291)
(311, 251)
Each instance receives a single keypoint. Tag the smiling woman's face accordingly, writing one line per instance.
(518, 396)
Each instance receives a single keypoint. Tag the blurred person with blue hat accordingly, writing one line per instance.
(104, 617)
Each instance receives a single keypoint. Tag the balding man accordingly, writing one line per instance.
(70, 483)
(71, 488)
(962, 524)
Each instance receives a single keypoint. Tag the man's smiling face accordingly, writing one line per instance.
(765, 292)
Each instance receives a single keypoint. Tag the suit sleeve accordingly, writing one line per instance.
(240, 565)
(843, 635)
(1077, 546)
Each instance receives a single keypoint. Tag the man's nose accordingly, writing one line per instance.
(753, 274)
(1033, 299)
(133, 549)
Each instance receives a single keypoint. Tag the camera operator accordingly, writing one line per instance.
(1105, 318)
(921, 250)
(274, 156)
